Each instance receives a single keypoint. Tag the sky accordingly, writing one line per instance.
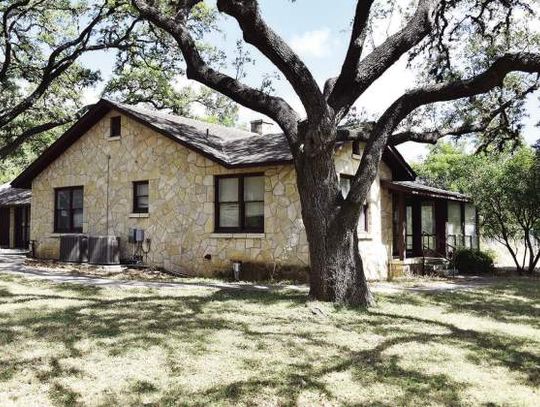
(318, 30)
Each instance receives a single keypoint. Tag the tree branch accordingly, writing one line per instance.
(257, 33)
(55, 67)
(381, 134)
(348, 89)
(197, 69)
(6, 34)
(19, 140)
(482, 83)
(351, 63)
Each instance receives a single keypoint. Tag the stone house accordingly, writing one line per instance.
(206, 195)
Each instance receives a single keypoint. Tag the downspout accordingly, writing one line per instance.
(107, 195)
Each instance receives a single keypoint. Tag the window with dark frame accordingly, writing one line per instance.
(356, 150)
(140, 197)
(239, 203)
(68, 210)
(345, 184)
(116, 126)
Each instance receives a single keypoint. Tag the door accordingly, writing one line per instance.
(22, 227)
(4, 226)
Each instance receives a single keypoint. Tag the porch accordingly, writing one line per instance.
(430, 222)
(14, 217)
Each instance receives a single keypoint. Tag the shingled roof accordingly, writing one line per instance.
(14, 196)
(417, 188)
(230, 147)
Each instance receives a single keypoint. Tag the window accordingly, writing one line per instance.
(409, 227)
(356, 150)
(427, 214)
(345, 184)
(68, 210)
(471, 240)
(454, 219)
(140, 197)
(470, 220)
(240, 203)
(116, 126)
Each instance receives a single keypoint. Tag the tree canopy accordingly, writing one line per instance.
(507, 193)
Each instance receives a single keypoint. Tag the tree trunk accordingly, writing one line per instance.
(337, 272)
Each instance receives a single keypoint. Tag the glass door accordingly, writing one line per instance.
(428, 226)
(409, 229)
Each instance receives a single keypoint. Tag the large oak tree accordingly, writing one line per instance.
(434, 35)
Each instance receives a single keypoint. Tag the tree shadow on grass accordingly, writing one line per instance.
(493, 348)
(510, 301)
(119, 325)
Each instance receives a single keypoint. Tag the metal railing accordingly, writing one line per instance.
(431, 244)
(463, 241)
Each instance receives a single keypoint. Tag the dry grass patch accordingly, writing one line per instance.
(72, 345)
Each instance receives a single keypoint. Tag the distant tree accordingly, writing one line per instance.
(447, 165)
(479, 54)
(507, 193)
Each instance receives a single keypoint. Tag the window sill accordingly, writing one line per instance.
(60, 234)
(139, 215)
(238, 235)
(116, 138)
(365, 236)
(357, 156)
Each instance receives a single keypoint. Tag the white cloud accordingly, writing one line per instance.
(312, 43)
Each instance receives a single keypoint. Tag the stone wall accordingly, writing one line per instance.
(180, 222)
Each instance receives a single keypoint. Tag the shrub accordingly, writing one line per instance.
(473, 261)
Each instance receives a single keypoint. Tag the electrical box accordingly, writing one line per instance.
(135, 235)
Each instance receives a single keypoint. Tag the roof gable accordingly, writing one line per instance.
(229, 147)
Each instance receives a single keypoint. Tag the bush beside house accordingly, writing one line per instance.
(473, 261)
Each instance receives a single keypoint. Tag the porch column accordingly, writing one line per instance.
(11, 227)
(441, 219)
(402, 227)
(462, 209)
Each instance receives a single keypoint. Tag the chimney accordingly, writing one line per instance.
(261, 127)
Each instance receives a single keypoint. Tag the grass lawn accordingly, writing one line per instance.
(79, 345)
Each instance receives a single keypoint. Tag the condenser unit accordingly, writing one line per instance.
(104, 250)
(74, 248)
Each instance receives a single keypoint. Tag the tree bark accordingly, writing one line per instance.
(337, 272)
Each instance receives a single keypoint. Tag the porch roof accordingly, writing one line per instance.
(419, 189)
(14, 196)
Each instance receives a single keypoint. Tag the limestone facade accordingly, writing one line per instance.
(180, 222)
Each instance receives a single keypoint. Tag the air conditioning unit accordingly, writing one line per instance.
(74, 248)
(103, 250)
